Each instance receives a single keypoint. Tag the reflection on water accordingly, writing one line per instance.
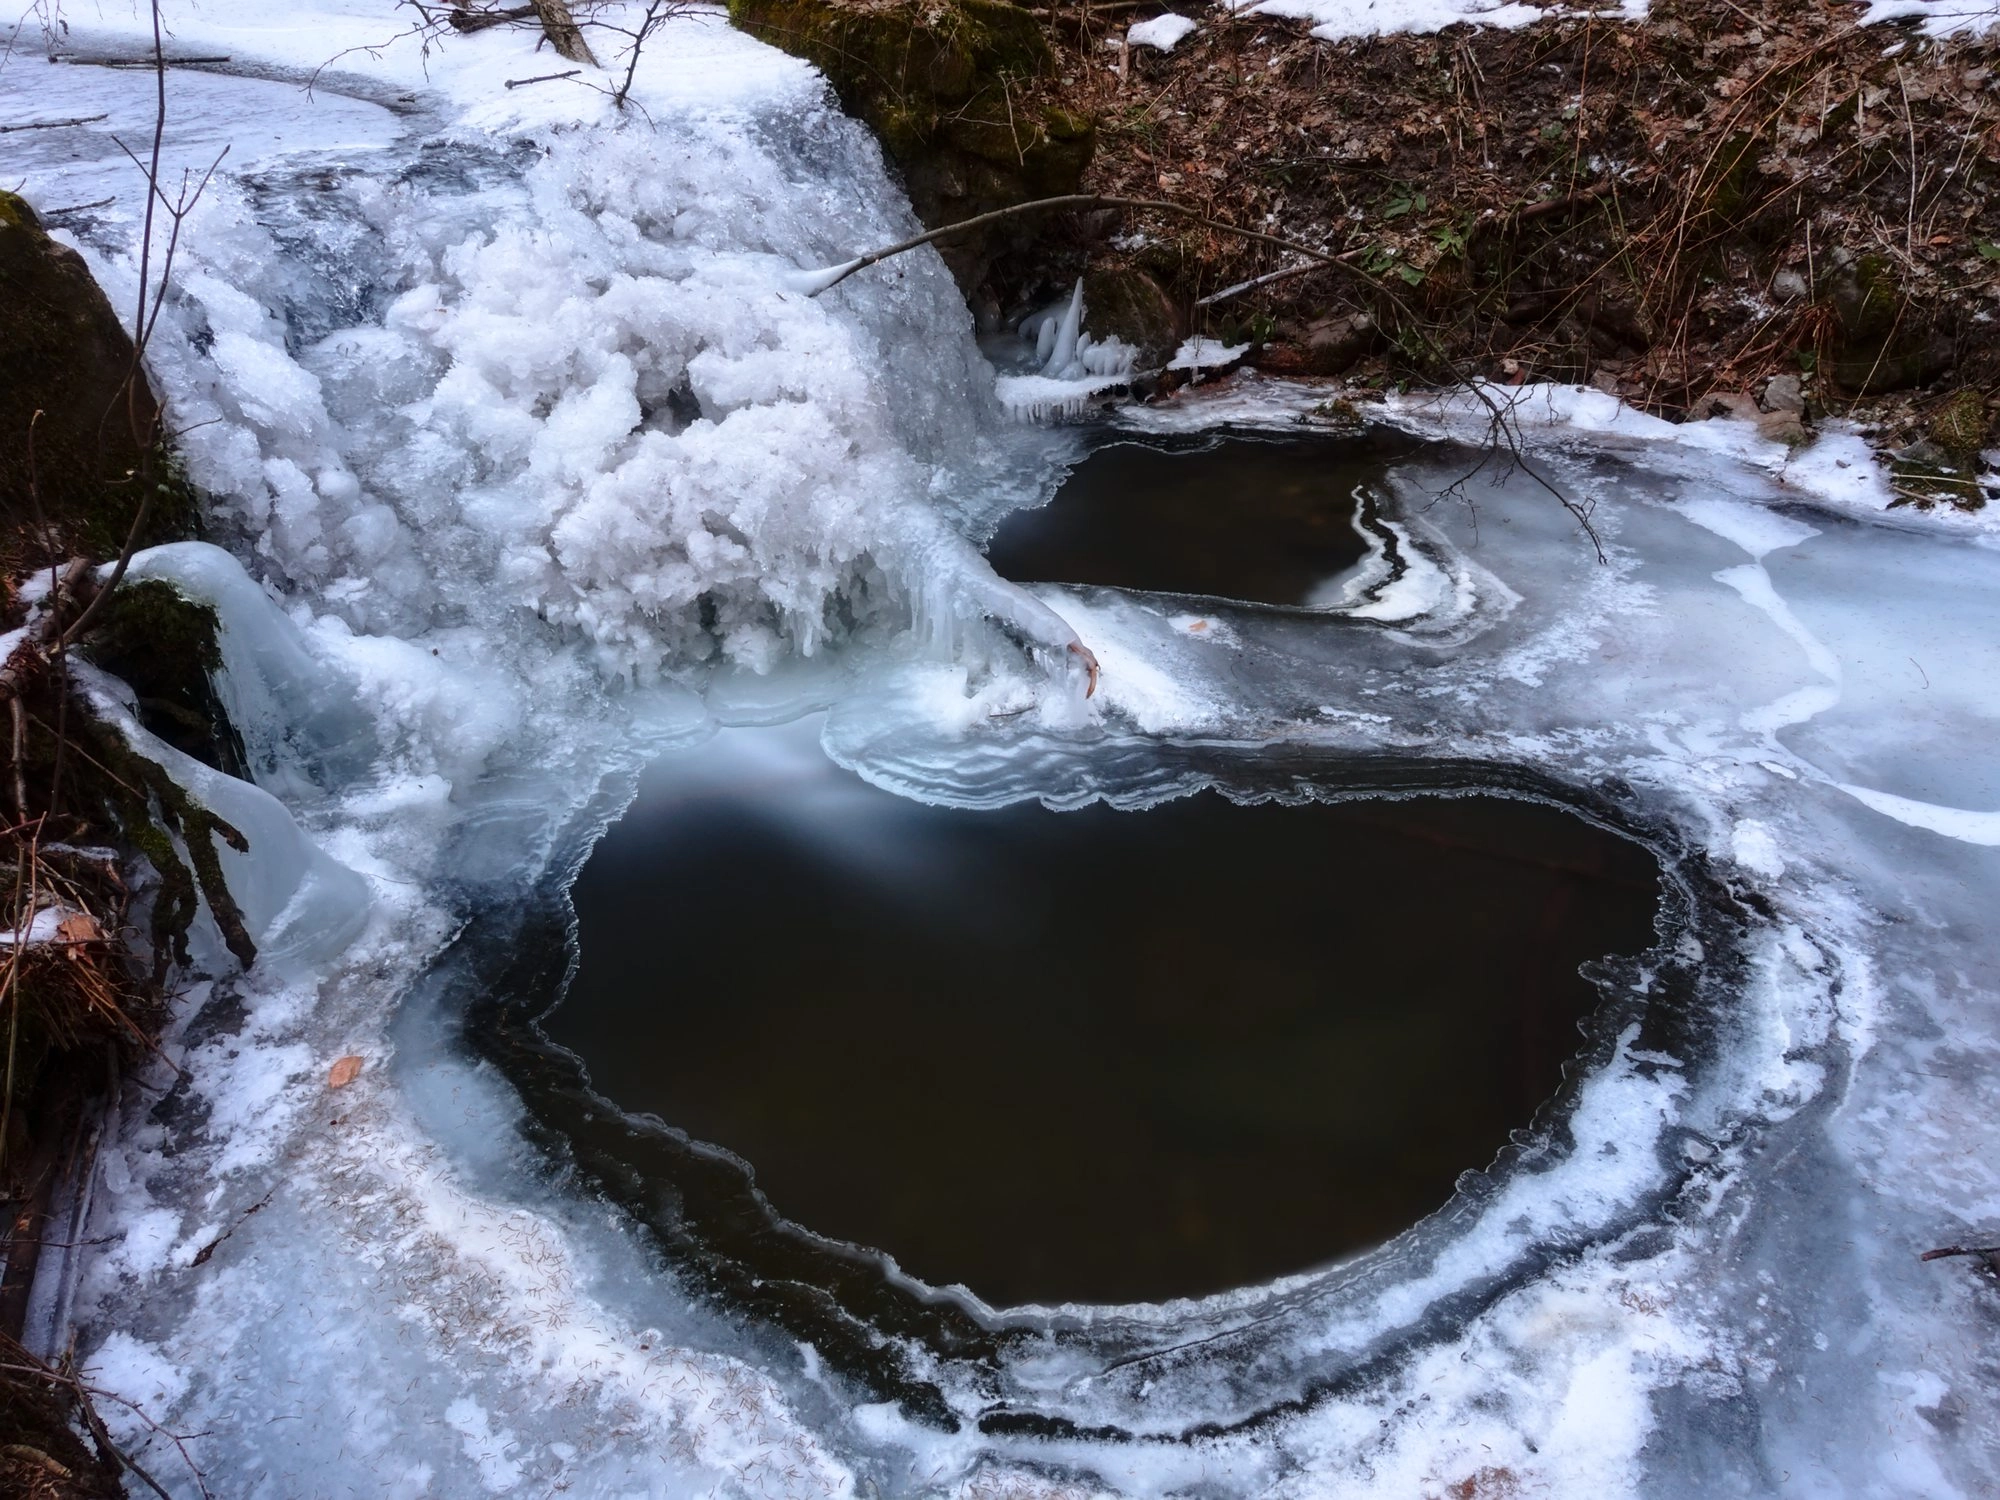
(1092, 1056)
(1248, 518)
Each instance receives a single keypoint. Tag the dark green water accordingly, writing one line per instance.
(1093, 1056)
(1248, 518)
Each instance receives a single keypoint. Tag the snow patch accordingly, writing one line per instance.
(1161, 32)
(1936, 17)
(1200, 353)
(1336, 20)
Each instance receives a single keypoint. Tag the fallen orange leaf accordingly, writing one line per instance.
(79, 927)
(343, 1072)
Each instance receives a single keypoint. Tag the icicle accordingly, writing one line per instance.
(1045, 340)
(1061, 360)
(949, 581)
(1113, 356)
(1036, 398)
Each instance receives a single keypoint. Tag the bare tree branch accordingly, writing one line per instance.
(52, 124)
(1503, 431)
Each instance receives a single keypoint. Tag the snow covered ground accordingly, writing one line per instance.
(1341, 20)
(532, 463)
(1334, 20)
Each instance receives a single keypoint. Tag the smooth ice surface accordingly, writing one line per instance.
(540, 463)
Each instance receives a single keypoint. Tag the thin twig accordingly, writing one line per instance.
(170, 62)
(53, 124)
(146, 440)
(75, 208)
(1989, 1253)
(23, 922)
(1084, 201)
(20, 724)
(1266, 279)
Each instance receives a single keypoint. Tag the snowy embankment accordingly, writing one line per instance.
(1341, 20)
(532, 461)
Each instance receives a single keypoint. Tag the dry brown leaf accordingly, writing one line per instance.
(343, 1072)
(79, 927)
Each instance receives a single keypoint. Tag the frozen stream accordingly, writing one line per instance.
(532, 464)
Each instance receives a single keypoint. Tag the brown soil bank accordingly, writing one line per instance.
(1674, 209)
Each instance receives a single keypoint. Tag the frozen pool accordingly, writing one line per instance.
(1089, 1056)
(1247, 517)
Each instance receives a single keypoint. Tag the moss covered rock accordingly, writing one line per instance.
(949, 87)
(166, 648)
(65, 355)
(1884, 340)
(1137, 309)
(1959, 426)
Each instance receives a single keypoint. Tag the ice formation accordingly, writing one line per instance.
(1076, 369)
(534, 461)
(1335, 20)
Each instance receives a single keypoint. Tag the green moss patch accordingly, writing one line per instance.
(164, 647)
(954, 90)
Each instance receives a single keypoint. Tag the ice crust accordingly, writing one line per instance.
(536, 463)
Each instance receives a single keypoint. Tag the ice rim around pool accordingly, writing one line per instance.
(947, 1358)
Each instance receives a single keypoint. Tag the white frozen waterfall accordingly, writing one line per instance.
(531, 462)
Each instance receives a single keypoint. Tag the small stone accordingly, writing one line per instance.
(1785, 427)
(1729, 404)
(1334, 344)
(1782, 393)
